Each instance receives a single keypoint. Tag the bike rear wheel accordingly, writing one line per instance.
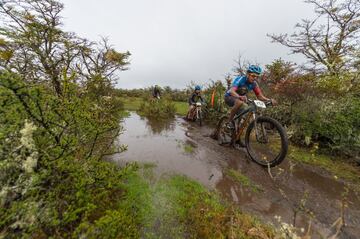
(267, 143)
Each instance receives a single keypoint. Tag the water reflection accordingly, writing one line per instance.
(158, 126)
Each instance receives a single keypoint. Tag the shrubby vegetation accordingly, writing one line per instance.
(180, 95)
(324, 95)
(319, 101)
(157, 109)
(59, 117)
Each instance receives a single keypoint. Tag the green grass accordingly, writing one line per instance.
(181, 108)
(243, 180)
(177, 207)
(188, 148)
(133, 104)
(339, 167)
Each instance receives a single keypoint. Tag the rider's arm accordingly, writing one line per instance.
(192, 99)
(261, 96)
(233, 92)
(236, 95)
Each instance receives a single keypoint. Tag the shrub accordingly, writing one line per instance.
(157, 109)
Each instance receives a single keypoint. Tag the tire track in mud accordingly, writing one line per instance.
(307, 191)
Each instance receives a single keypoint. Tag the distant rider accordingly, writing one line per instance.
(195, 97)
(236, 98)
(156, 92)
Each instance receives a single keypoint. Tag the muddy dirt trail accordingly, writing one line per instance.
(179, 147)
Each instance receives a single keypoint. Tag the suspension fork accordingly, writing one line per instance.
(264, 134)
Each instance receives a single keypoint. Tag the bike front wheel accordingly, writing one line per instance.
(199, 117)
(266, 141)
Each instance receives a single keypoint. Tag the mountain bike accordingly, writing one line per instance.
(266, 140)
(196, 113)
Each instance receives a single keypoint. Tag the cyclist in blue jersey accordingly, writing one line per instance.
(236, 98)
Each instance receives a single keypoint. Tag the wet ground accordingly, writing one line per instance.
(179, 147)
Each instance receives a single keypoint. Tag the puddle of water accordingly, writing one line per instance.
(165, 143)
(176, 146)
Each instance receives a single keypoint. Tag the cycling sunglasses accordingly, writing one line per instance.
(254, 75)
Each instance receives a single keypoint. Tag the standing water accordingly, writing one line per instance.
(298, 194)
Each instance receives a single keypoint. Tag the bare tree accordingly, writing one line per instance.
(33, 45)
(330, 40)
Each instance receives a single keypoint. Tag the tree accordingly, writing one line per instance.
(330, 40)
(279, 71)
(33, 45)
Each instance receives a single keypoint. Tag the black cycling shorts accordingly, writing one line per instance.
(230, 100)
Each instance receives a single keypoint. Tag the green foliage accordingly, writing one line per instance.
(131, 103)
(279, 70)
(321, 110)
(177, 207)
(58, 118)
(216, 109)
(332, 123)
(55, 167)
(206, 216)
(180, 95)
(337, 85)
(158, 109)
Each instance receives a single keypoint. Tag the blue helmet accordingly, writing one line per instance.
(197, 87)
(254, 69)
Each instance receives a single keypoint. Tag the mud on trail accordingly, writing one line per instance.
(298, 193)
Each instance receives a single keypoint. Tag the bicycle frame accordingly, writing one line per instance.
(241, 126)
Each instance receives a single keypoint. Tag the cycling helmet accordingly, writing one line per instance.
(197, 87)
(254, 69)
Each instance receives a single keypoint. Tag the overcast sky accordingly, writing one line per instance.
(174, 42)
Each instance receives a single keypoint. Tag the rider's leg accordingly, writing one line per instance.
(237, 105)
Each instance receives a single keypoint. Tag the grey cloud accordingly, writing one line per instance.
(174, 42)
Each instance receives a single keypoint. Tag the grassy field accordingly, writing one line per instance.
(181, 108)
(133, 104)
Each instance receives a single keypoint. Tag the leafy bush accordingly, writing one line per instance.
(58, 118)
(331, 123)
(157, 109)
